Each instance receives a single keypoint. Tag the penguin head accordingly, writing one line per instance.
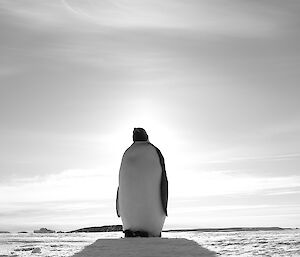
(139, 134)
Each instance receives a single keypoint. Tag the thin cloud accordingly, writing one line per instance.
(213, 17)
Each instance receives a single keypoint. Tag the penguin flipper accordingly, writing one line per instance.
(163, 182)
(164, 191)
(117, 203)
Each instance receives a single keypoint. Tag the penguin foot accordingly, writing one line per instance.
(129, 233)
(142, 234)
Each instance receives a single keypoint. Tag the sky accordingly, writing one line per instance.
(215, 84)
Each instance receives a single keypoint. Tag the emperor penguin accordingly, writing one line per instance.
(142, 195)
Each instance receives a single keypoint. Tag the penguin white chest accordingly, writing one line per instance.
(139, 190)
